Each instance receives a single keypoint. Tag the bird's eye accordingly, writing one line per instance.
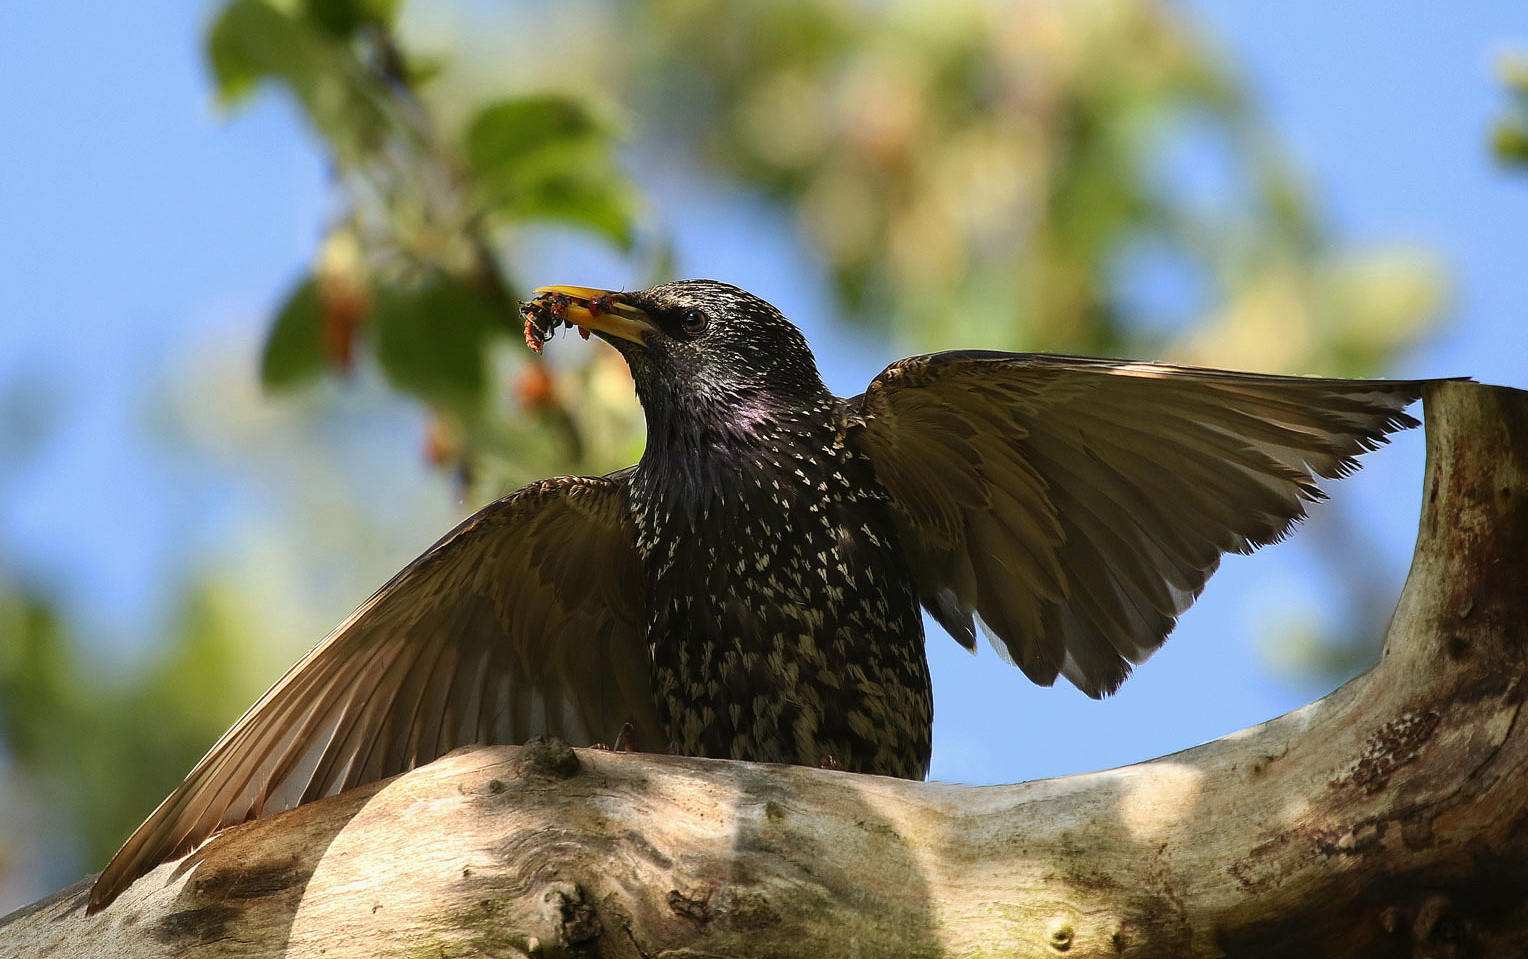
(694, 322)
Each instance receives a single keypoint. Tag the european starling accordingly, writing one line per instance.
(751, 588)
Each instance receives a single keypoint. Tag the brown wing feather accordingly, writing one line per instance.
(1073, 507)
(524, 620)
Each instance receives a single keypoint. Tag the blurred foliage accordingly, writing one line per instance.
(1509, 139)
(97, 755)
(971, 173)
(1072, 176)
(297, 513)
(980, 173)
(407, 273)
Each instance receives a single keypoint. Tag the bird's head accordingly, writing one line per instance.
(698, 349)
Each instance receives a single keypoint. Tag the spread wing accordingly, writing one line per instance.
(1075, 506)
(526, 619)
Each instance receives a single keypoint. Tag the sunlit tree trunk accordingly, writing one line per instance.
(1390, 818)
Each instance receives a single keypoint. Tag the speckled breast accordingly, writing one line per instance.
(784, 626)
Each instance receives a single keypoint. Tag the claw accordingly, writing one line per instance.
(626, 739)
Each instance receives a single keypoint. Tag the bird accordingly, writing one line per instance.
(752, 588)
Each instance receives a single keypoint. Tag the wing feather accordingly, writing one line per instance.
(524, 620)
(1073, 507)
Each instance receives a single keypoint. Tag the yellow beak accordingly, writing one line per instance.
(600, 311)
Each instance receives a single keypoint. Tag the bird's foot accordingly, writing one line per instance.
(626, 739)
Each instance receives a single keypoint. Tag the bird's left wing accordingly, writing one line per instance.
(1075, 506)
(526, 619)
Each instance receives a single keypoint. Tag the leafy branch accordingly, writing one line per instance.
(408, 266)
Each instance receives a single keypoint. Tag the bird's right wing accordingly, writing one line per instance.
(526, 619)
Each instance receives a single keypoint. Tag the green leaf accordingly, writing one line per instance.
(424, 68)
(294, 352)
(548, 157)
(430, 340)
(253, 40)
(507, 132)
(1510, 142)
(587, 193)
(341, 18)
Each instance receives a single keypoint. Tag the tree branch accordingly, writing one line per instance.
(1386, 819)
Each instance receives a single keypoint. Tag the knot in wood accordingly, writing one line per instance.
(1059, 934)
(548, 758)
(576, 921)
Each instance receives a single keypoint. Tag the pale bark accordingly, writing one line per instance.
(1386, 819)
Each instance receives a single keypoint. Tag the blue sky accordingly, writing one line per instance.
(137, 222)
